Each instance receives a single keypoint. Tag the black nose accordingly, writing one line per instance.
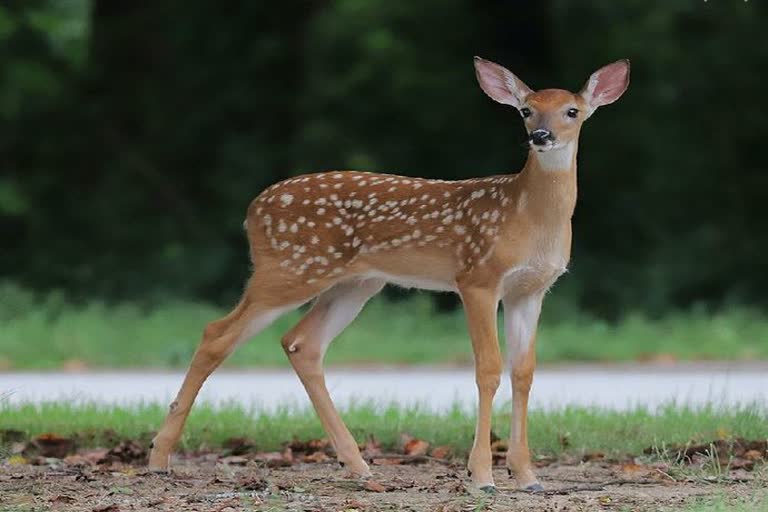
(541, 137)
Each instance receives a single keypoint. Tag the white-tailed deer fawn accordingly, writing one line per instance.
(340, 237)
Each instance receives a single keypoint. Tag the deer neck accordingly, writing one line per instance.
(549, 181)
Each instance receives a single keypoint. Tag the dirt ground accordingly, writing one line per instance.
(206, 483)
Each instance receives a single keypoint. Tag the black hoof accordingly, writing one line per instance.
(151, 445)
(509, 472)
(535, 488)
(469, 473)
(341, 464)
(488, 489)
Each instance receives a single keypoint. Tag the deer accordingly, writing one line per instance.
(336, 238)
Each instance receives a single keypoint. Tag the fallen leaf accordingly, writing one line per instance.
(275, 459)
(374, 486)
(592, 456)
(742, 463)
(112, 507)
(723, 448)
(62, 498)
(441, 452)
(416, 447)
(84, 475)
(127, 451)
(311, 446)
(631, 467)
(239, 445)
(353, 504)
(17, 460)
(53, 445)
(316, 457)
(234, 460)
(371, 448)
(387, 461)
(76, 460)
(401, 483)
(97, 456)
(541, 461)
(253, 484)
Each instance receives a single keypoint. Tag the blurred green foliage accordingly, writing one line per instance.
(135, 133)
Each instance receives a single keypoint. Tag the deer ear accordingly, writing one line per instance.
(500, 84)
(607, 84)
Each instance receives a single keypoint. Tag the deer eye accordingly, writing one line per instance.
(572, 112)
(525, 112)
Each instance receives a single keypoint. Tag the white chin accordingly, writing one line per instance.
(544, 149)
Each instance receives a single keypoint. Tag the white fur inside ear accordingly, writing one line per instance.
(606, 85)
(500, 84)
(589, 90)
(514, 86)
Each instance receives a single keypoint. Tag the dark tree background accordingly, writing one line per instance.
(133, 133)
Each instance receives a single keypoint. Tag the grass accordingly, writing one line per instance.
(49, 332)
(757, 503)
(572, 430)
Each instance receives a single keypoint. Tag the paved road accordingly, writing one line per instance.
(614, 387)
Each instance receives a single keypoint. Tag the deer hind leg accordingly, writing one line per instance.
(521, 316)
(306, 344)
(265, 299)
(481, 305)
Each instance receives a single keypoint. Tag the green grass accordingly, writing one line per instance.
(586, 429)
(46, 332)
(756, 503)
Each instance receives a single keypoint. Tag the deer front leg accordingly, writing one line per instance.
(521, 316)
(480, 305)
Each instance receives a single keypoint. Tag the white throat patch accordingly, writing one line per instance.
(557, 159)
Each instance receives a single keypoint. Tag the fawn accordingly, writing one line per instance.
(339, 237)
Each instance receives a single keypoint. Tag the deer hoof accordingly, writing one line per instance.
(537, 487)
(489, 489)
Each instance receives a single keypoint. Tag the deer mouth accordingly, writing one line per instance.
(543, 148)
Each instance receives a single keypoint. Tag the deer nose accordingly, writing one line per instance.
(541, 137)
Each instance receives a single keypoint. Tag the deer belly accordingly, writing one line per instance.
(527, 280)
(415, 281)
(425, 270)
